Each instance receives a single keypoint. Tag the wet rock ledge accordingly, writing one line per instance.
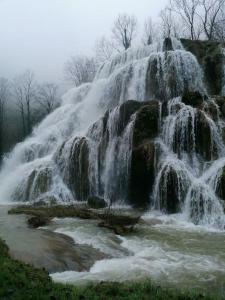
(119, 222)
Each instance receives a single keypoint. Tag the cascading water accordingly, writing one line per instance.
(76, 153)
(188, 179)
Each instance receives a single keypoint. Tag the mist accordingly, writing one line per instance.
(42, 35)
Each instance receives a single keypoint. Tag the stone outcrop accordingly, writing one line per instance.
(38, 221)
(73, 160)
(37, 183)
(221, 187)
(192, 98)
(203, 137)
(142, 173)
(172, 191)
(210, 57)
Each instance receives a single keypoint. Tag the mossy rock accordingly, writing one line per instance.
(142, 174)
(203, 136)
(146, 123)
(210, 57)
(154, 88)
(37, 183)
(220, 190)
(75, 166)
(211, 108)
(167, 44)
(117, 229)
(127, 109)
(4, 249)
(220, 101)
(41, 183)
(38, 221)
(96, 202)
(172, 192)
(47, 200)
(194, 99)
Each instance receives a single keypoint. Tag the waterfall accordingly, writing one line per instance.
(87, 146)
(172, 180)
(110, 156)
(188, 179)
(117, 167)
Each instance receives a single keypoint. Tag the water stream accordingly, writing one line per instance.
(166, 249)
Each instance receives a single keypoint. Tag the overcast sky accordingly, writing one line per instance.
(42, 34)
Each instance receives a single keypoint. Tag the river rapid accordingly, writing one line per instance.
(169, 251)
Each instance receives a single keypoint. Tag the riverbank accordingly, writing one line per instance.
(43, 248)
(21, 281)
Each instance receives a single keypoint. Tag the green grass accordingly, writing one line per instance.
(19, 281)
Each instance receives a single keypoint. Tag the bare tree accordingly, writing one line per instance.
(29, 93)
(48, 97)
(18, 94)
(124, 30)
(168, 24)
(149, 32)
(80, 69)
(188, 12)
(25, 93)
(210, 16)
(219, 28)
(104, 49)
(4, 94)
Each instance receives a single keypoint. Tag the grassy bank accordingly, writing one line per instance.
(19, 281)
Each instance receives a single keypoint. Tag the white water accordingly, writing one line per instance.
(196, 180)
(169, 252)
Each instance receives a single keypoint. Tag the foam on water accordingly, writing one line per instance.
(152, 251)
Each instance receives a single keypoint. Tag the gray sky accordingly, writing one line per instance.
(42, 34)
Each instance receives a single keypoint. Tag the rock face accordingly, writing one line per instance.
(117, 153)
(211, 59)
(172, 190)
(73, 161)
(142, 174)
(146, 123)
(204, 139)
(220, 101)
(194, 99)
(38, 221)
(167, 44)
(126, 110)
(220, 190)
(37, 183)
(116, 159)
